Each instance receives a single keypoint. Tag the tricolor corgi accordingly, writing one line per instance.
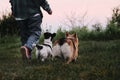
(66, 47)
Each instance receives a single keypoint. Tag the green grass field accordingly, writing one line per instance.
(98, 60)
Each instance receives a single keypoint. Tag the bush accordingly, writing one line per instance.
(8, 26)
(112, 31)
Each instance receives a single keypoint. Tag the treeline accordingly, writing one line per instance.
(8, 27)
(111, 32)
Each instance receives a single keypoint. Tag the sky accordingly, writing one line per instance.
(95, 11)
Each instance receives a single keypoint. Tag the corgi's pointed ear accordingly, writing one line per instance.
(75, 35)
(67, 34)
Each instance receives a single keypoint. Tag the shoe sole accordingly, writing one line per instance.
(23, 53)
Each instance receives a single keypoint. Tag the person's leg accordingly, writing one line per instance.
(30, 31)
(34, 31)
(23, 31)
(24, 37)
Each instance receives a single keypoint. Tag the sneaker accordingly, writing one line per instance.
(25, 53)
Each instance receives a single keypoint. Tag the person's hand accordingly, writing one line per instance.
(50, 12)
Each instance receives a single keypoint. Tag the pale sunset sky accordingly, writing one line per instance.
(97, 11)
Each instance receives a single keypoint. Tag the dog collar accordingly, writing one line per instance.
(48, 46)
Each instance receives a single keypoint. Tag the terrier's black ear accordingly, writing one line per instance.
(52, 36)
(39, 47)
(47, 35)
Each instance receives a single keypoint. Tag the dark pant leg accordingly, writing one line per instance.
(23, 31)
(34, 31)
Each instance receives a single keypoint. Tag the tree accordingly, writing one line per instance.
(116, 17)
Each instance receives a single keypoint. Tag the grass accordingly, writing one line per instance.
(98, 60)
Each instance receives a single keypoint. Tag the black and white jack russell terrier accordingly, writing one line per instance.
(45, 49)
